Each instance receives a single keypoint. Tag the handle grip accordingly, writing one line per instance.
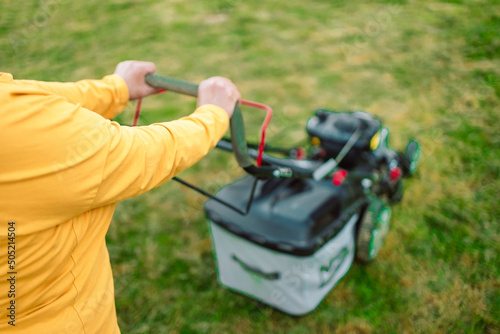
(172, 84)
(238, 139)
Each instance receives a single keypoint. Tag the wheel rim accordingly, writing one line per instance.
(414, 157)
(379, 231)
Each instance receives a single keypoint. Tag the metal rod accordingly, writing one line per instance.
(331, 164)
(207, 194)
(347, 147)
(250, 200)
(267, 148)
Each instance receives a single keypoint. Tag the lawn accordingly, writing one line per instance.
(429, 69)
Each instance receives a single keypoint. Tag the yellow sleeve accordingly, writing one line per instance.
(141, 158)
(107, 97)
(64, 160)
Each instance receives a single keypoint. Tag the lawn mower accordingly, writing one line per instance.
(289, 231)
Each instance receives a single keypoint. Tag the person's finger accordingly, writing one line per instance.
(148, 67)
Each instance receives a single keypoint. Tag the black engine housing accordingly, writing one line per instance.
(334, 128)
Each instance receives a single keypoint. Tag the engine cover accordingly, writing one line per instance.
(334, 128)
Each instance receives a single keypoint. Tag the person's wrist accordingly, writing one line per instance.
(219, 113)
(122, 89)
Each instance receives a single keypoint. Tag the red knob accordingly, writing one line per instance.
(395, 173)
(339, 177)
(299, 153)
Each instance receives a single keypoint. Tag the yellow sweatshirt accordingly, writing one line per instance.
(63, 166)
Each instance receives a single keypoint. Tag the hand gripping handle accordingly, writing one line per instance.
(238, 139)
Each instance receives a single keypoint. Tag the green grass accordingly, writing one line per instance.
(429, 69)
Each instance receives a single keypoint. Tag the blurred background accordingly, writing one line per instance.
(429, 69)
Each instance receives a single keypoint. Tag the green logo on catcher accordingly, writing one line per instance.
(327, 272)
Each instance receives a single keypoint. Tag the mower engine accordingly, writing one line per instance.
(329, 133)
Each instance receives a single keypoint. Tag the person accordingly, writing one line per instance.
(63, 167)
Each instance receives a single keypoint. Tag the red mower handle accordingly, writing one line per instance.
(238, 139)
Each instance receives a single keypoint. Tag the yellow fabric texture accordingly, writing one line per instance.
(63, 166)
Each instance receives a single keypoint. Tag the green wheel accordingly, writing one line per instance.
(411, 157)
(372, 231)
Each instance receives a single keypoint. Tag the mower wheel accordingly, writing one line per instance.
(373, 229)
(410, 158)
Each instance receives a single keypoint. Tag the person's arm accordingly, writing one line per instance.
(138, 159)
(63, 160)
(107, 97)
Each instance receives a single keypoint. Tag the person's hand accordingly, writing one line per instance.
(134, 72)
(220, 92)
